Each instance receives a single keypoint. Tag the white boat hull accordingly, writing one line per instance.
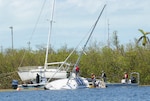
(66, 84)
(56, 70)
(29, 75)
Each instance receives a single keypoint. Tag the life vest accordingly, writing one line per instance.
(77, 69)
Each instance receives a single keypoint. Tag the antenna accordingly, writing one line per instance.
(108, 33)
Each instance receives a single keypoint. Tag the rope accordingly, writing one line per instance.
(6, 74)
(33, 30)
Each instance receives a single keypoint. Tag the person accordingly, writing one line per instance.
(103, 76)
(37, 78)
(133, 80)
(77, 70)
(126, 76)
(93, 77)
(68, 74)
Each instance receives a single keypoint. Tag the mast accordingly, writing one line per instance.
(49, 34)
(77, 62)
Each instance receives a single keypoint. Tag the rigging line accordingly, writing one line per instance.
(37, 19)
(33, 30)
(22, 58)
(7, 74)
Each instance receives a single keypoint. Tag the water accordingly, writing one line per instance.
(99, 94)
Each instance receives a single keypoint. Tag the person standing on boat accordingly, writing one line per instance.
(37, 78)
(126, 77)
(68, 74)
(77, 71)
(93, 77)
(103, 76)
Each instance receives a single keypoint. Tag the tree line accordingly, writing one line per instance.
(114, 59)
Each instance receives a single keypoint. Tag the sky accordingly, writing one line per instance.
(72, 21)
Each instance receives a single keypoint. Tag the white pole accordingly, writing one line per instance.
(11, 27)
(49, 35)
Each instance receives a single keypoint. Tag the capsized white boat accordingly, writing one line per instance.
(74, 81)
(68, 83)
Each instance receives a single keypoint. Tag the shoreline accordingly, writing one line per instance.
(32, 89)
(21, 89)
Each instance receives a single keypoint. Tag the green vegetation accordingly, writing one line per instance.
(114, 60)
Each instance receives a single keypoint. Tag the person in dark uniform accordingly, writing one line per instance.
(37, 78)
(103, 76)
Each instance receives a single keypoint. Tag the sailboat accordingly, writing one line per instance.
(30, 72)
(75, 81)
(49, 70)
